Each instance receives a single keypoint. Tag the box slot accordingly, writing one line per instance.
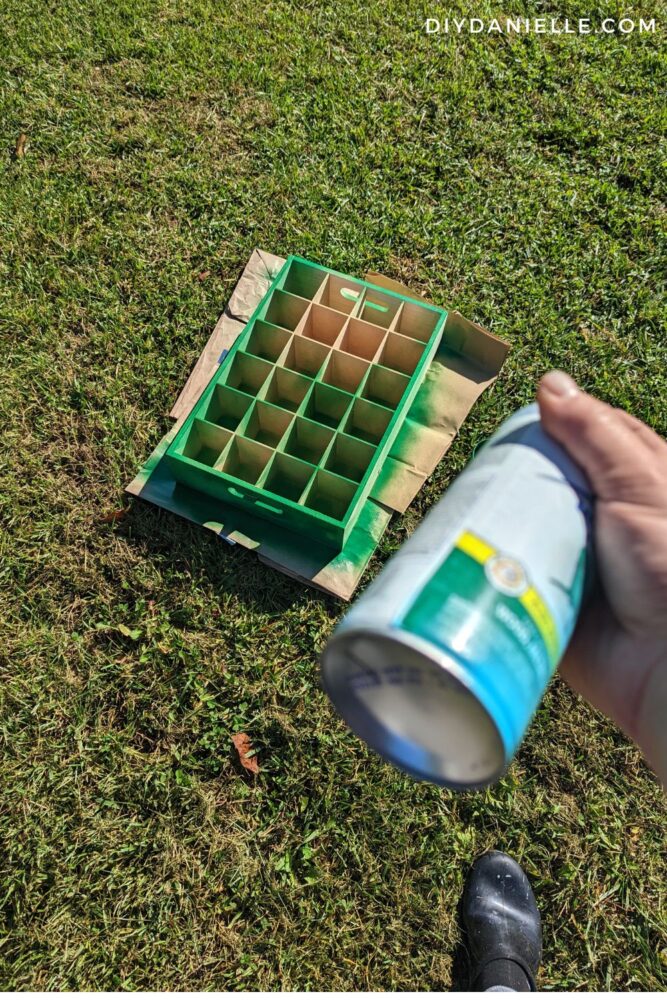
(245, 459)
(401, 353)
(285, 310)
(266, 340)
(266, 423)
(287, 389)
(304, 279)
(205, 442)
(323, 324)
(361, 339)
(305, 356)
(327, 405)
(367, 421)
(385, 386)
(227, 407)
(349, 457)
(344, 371)
(330, 494)
(247, 374)
(378, 308)
(288, 477)
(416, 321)
(340, 293)
(307, 440)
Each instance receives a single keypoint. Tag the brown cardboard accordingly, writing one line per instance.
(468, 362)
(257, 275)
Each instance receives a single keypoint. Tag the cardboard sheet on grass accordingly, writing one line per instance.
(467, 361)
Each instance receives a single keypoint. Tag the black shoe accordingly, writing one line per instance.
(503, 925)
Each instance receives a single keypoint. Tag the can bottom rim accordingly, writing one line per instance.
(410, 703)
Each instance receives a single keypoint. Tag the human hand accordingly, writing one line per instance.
(617, 658)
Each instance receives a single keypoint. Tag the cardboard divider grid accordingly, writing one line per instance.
(413, 322)
(367, 421)
(246, 373)
(244, 459)
(308, 440)
(267, 341)
(467, 362)
(266, 423)
(288, 476)
(330, 494)
(401, 354)
(362, 339)
(306, 357)
(227, 407)
(311, 395)
(340, 293)
(344, 371)
(322, 324)
(327, 405)
(380, 308)
(349, 457)
(205, 442)
(384, 386)
(285, 309)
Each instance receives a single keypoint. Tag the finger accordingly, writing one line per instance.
(618, 462)
(585, 665)
(611, 669)
(649, 437)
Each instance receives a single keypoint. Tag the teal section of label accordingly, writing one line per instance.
(491, 635)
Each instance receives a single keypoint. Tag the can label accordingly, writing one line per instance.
(475, 571)
(481, 605)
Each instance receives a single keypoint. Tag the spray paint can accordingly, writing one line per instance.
(442, 662)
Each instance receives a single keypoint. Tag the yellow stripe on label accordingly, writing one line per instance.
(475, 547)
(481, 552)
(541, 615)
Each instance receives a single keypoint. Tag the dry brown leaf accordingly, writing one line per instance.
(21, 146)
(244, 747)
(114, 515)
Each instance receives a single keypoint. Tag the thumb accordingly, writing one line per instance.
(613, 449)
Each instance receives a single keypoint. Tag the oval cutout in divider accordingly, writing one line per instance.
(340, 293)
(267, 506)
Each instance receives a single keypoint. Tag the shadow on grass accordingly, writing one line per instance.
(229, 569)
(460, 961)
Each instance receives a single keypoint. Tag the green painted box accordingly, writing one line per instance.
(301, 413)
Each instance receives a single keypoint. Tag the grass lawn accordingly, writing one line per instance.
(519, 180)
